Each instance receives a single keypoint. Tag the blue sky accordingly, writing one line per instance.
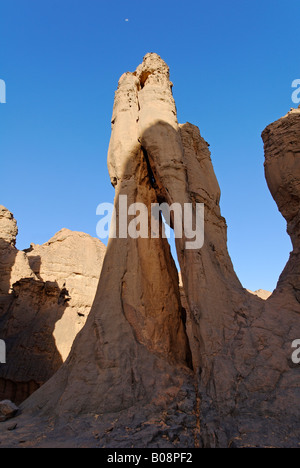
(232, 64)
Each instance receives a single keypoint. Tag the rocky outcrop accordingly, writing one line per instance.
(204, 365)
(14, 264)
(8, 227)
(73, 260)
(7, 410)
(46, 294)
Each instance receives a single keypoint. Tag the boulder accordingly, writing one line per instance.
(7, 410)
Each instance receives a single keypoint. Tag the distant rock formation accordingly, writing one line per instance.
(261, 293)
(206, 364)
(45, 297)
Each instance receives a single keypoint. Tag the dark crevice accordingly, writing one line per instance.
(143, 78)
(183, 311)
(183, 316)
(161, 193)
(149, 169)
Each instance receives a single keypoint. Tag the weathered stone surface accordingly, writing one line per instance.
(206, 365)
(45, 297)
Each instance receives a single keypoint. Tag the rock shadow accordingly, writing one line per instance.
(28, 314)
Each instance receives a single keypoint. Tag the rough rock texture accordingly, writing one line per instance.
(46, 294)
(155, 366)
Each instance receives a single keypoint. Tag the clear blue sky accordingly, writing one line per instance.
(232, 63)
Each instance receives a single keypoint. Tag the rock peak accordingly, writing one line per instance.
(155, 67)
(8, 227)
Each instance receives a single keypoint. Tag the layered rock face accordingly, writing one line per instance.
(46, 294)
(204, 365)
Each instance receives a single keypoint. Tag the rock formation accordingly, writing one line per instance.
(46, 294)
(261, 293)
(73, 260)
(14, 264)
(204, 365)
